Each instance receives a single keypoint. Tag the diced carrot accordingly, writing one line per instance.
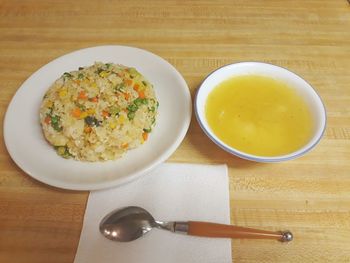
(128, 82)
(82, 95)
(105, 114)
(94, 99)
(125, 145)
(47, 120)
(145, 136)
(87, 129)
(126, 95)
(136, 87)
(141, 94)
(76, 113)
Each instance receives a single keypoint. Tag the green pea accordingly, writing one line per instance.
(138, 101)
(132, 107)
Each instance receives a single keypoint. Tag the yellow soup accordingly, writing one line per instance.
(259, 115)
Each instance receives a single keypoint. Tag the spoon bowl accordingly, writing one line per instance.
(127, 224)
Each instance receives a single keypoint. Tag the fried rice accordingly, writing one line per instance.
(98, 112)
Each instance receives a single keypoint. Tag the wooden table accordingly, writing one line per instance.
(310, 195)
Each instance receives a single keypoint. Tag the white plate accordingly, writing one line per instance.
(29, 149)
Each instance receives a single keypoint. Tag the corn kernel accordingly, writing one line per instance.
(141, 88)
(83, 115)
(90, 111)
(112, 125)
(121, 119)
(61, 150)
(49, 104)
(104, 74)
(62, 93)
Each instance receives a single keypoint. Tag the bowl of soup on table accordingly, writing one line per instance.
(260, 112)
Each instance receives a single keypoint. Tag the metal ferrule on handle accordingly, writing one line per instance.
(176, 227)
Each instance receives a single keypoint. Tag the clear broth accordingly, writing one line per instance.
(259, 115)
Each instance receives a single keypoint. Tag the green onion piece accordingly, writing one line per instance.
(80, 106)
(99, 70)
(63, 151)
(147, 130)
(67, 75)
(114, 110)
(55, 123)
(119, 87)
(131, 115)
(80, 76)
(54, 119)
(56, 127)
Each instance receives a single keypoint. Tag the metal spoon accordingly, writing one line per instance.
(129, 223)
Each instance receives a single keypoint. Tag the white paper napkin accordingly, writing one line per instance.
(171, 192)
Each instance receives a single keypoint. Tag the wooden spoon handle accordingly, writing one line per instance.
(205, 229)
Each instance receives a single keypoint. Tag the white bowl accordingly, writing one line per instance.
(269, 70)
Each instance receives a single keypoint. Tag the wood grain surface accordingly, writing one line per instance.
(309, 196)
